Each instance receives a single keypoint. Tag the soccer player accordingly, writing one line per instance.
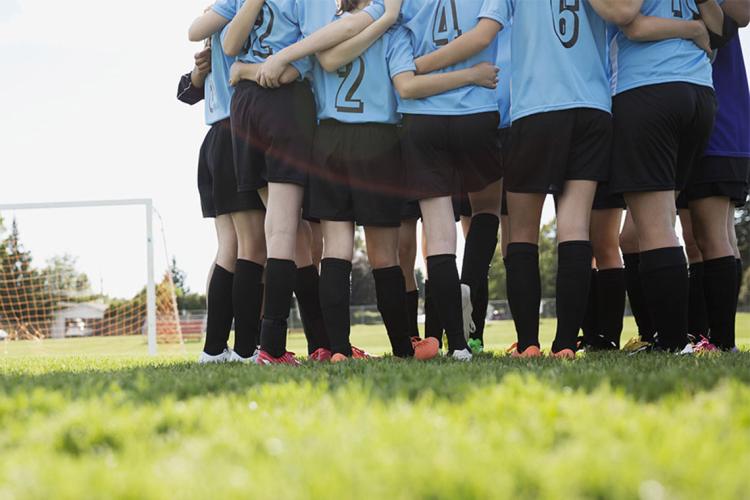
(273, 124)
(716, 187)
(663, 108)
(449, 140)
(220, 200)
(560, 145)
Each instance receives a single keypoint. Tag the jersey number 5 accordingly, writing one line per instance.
(350, 82)
(565, 20)
(263, 29)
(444, 14)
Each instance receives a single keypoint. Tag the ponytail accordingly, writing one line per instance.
(348, 5)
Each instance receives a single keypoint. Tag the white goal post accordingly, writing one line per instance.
(148, 205)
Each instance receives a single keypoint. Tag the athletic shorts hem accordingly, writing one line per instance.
(642, 189)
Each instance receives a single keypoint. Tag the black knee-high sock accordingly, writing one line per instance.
(590, 325)
(720, 285)
(220, 311)
(247, 277)
(307, 291)
(664, 275)
(412, 312)
(280, 277)
(391, 293)
(740, 277)
(481, 244)
(335, 296)
(432, 326)
(573, 284)
(610, 305)
(524, 291)
(646, 328)
(697, 313)
(446, 289)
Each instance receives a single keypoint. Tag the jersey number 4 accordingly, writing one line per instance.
(351, 79)
(445, 22)
(566, 22)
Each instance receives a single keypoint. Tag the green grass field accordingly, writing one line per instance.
(96, 418)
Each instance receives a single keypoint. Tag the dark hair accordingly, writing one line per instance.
(348, 5)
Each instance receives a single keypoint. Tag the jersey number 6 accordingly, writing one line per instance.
(350, 82)
(565, 21)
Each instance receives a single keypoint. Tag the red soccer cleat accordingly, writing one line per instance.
(530, 352)
(321, 355)
(358, 353)
(425, 349)
(287, 359)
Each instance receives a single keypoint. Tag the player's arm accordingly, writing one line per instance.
(190, 89)
(739, 10)
(712, 15)
(335, 33)
(344, 53)
(461, 48)
(206, 25)
(410, 85)
(654, 29)
(619, 12)
(247, 71)
(240, 27)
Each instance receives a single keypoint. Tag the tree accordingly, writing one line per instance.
(186, 300)
(548, 259)
(179, 277)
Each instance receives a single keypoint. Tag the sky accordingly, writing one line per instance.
(89, 113)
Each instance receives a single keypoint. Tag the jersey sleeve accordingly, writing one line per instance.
(304, 66)
(225, 8)
(498, 10)
(187, 92)
(376, 9)
(400, 52)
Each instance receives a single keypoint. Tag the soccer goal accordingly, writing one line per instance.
(86, 269)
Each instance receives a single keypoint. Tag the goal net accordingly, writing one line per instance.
(89, 269)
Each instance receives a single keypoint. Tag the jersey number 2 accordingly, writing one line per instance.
(565, 20)
(445, 16)
(263, 29)
(350, 82)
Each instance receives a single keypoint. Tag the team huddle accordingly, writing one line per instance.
(325, 115)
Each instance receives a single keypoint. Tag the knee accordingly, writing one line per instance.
(382, 260)
(407, 252)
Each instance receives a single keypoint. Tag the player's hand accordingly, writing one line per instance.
(269, 74)
(235, 73)
(392, 10)
(702, 38)
(203, 61)
(485, 75)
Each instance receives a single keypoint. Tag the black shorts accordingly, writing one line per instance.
(504, 137)
(442, 152)
(720, 176)
(606, 200)
(548, 149)
(272, 134)
(661, 132)
(357, 174)
(217, 184)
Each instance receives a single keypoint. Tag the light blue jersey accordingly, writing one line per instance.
(637, 64)
(218, 92)
(432, 24)
(361, 91)
(560, 56)
(504, 77)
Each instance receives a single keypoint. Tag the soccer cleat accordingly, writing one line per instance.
(208, 359)
(476, 346)
(462, 355)
(598, 343)
(704, 346)
(236, 358)
(636, 345)
(286, 359)
(321, 355)
(688, 350)
(358, 353)
(338, 358)
(428, 348)
(468, 310)
(564, 354)
(530, 352)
